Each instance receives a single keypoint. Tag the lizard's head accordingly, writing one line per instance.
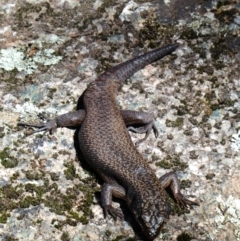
(151, 216)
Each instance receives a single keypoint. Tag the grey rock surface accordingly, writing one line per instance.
(51, 50)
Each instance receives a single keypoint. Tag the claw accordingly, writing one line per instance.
(115, 213)
(184, 202)
(49, 126)
(144, 129)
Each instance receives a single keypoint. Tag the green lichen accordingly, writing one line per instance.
(3, 217)
(65, 236)
(38, 190)
(70, 172)
(177, 123)
(7, 160)
(172, 162)
(85, 208)
(33, 175)
(29, 201)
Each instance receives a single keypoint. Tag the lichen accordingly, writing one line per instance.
(172, 162)
(7, 160)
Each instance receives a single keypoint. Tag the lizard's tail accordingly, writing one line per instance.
(126, 69)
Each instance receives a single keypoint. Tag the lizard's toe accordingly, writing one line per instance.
(184, 202)
(115, 213)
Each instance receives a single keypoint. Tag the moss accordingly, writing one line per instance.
(51, 91)
(138, 86)
(193, 121)
(215, 107)
(189, 33)
(223, 142)
(10, 192)
(55, 155)
(188, 132)
(177, 123)
(185, 184)
(6, 159)
(108, 233)
(9, 238)
(29, 201)
(85, 208)
(184, 237)
(39, 190)
(182, 110)
(33, 175)
(210, 176)
(2, 134)
(8, 198)
(65, 236)
(118, 238)
(62, 203)
(54, 176)
(70, 172)
(4, 216)
(15, 176)
(205, 118)
(172, 163)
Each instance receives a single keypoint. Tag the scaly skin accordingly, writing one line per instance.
(106, 145)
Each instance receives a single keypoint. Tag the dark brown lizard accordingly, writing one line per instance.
(107, 146)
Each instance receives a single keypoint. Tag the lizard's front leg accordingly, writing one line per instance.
(171, 180)
(108, 191)
(71, 119)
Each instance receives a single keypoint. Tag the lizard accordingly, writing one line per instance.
(107, 146)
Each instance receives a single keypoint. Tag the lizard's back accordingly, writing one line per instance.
(105, 141)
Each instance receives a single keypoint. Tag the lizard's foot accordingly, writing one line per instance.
(144, 129)
(115, 213)
(183, 202)
(49, 126)
(171, 180)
